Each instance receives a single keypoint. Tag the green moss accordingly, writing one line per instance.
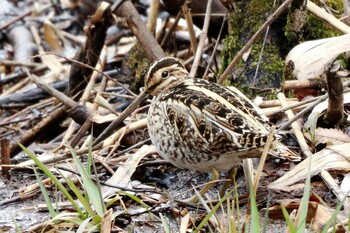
(243, 26)
(296, 19)
(138, 63)
(317, 29)
(314, 27)
(336, 6)
(282, 38)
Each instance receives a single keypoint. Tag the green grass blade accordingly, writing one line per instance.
(113, 200)
(70, 218)
(89, 158)
(90, 187)
(135, 198)
(17, 228)
(165, 223)
(208, 216)
(266, 217)
(290, 224)
(301, 226)
(53, 178)
(89, 164)
(46, 195)
(333, 218)
(255, 224)
(81, 198)
(83, 226)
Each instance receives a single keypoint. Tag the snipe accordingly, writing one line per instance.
(199, 125)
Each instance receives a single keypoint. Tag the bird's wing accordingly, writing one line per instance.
(213, 116)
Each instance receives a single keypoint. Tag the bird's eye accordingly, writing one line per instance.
(165, 74)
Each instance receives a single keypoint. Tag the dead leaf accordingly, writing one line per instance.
(312, 58)
(345, 184)
(184, 223)
(53, 36)
(324, 105)
(331, 136)
(335, 157)
(122, 176)
(107, 221)
(99, 119)
(311, 123)
(318, 214)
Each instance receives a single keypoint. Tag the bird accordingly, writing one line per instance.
(200, 125)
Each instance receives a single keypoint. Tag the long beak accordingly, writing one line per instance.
(143, 96)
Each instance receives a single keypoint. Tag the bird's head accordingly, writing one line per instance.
(163, 74)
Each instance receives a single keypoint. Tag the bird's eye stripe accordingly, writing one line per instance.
(165, 62)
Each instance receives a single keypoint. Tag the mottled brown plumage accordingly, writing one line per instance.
(199, 125)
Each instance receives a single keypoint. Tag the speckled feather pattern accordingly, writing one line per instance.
(196, 124)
